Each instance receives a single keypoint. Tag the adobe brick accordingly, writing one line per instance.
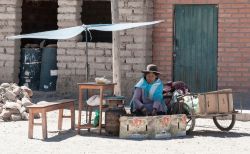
(104, 45)
(135, 61)
(75, 52)
(11, 2)
(70, 3)
(136, 4)
(63, 44)
(107, 74)
(68, 16)
(97, 52)
(65, 58)
(80, 71)
(125, 53)
(68, 23)
(61, 65)
(108, 52)
(103, 59)
(69, 9)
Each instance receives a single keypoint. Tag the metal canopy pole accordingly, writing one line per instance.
(86, 54)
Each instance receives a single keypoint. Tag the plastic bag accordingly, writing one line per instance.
(95, 101)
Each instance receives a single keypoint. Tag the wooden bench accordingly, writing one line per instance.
(50, 106)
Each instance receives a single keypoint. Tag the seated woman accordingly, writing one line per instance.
(148, 98)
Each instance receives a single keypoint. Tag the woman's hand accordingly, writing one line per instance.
(144, 111)
(154, 112)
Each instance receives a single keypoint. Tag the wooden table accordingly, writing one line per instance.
(92, 86)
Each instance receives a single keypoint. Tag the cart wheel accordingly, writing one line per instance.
(190, 120)
(225, 123)
(190, 124)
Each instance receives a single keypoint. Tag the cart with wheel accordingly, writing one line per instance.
(217, 105)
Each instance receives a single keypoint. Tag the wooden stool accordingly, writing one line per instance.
(115, 101)
(50, 106)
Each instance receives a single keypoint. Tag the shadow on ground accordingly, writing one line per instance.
(220, 134)
(62, 135)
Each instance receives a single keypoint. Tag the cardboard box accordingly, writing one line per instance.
(162, 126)
(178, 125)
(153, 127)
(136, 127)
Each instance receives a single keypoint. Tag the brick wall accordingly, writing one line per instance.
(136, 47)
(233, 42)
(10, 13)
(136, 44)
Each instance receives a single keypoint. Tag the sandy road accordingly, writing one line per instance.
(206, 138)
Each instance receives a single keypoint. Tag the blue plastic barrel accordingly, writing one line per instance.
(48, 75)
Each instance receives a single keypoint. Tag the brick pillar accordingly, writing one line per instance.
(70, 55)
(10, 24)
(136, 44)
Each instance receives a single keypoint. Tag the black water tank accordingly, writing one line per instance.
(48, 74)
(30, 67)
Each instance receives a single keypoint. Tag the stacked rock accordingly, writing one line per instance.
(13, 102)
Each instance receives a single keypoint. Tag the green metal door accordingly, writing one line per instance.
(195, 46)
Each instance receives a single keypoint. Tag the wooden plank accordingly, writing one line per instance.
(31, 122)
(55, 103)
(44, 125)
(116, 49)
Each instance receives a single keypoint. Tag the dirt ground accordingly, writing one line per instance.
(206, 138)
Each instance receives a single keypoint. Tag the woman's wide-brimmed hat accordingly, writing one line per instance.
(151, 68)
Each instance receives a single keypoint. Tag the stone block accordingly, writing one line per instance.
(127, 39)
(11, 2)
(138, 67)
(126, 11)
(144, 53)
(76, 52)
(68, 23)
(97, 52)
(2, 9)
(133, 75)
(69, 3)
(103, 59)
(80, 71)
(6, 57)
(125, 53)
(108, 52)
(68, 16)
(80, 59)
(81, 45)
(66, 58)
(14, 9)
(66, 72)
(75, 65)
(107, 74)
(61, 51)
(126, 67)
(135, 60)
(62, 44)
(69, 9)
(104, 45)
(61, 65)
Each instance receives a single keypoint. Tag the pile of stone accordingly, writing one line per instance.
(13, 102)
